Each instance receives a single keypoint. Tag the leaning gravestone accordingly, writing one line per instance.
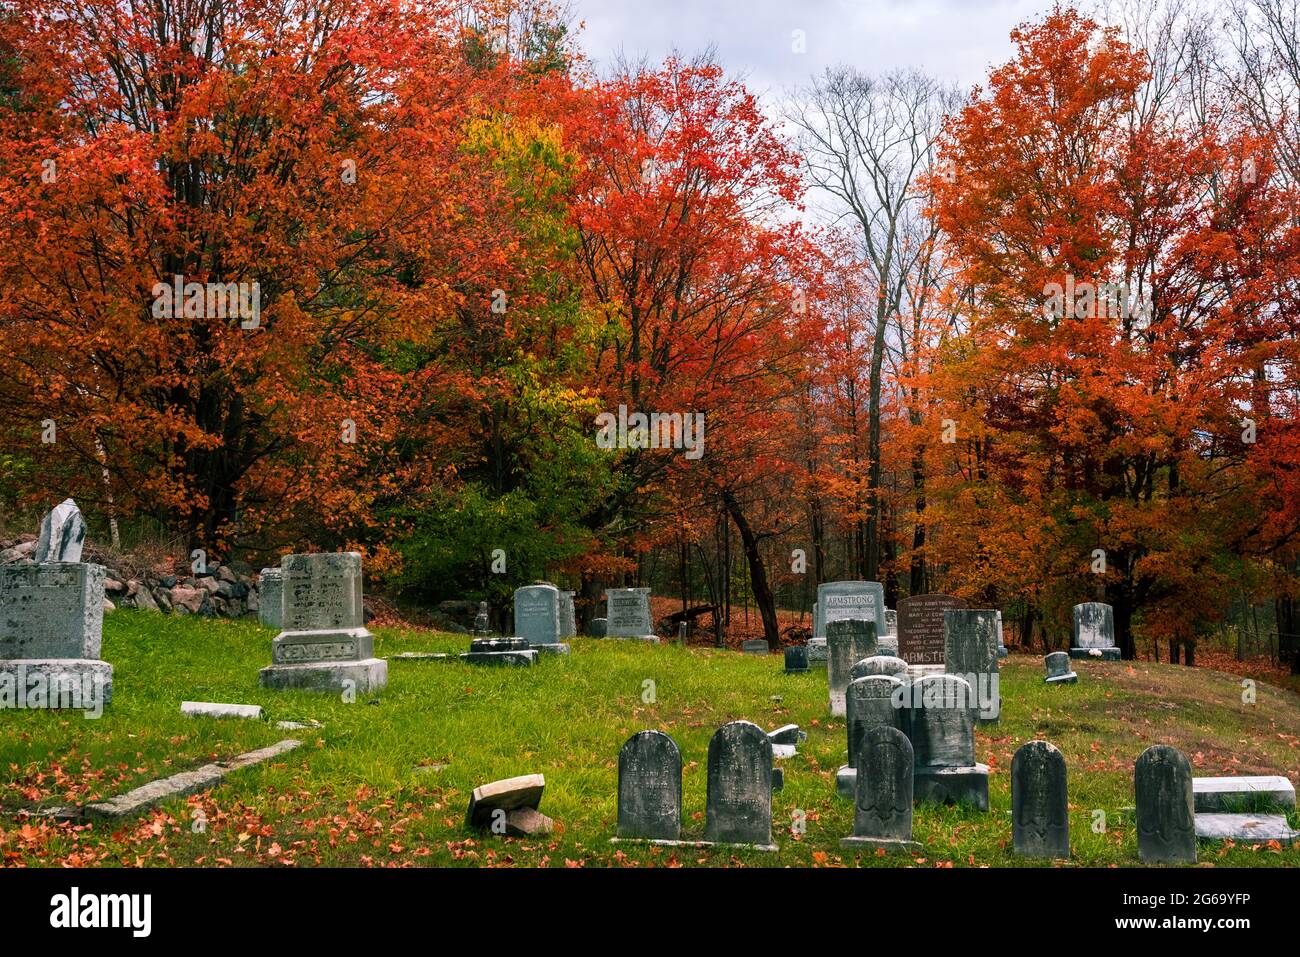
(629, 614)
(537, 614)
(650, 788)
(939, 721)
(870, 703)
(970, 638)
(920, 628)
(1058, 669)
(51, 623)
(1166, 824)
(1040, 813)
(324, 644)
(270, 611)
(739, 809)
(1094, 631)
(882, 806)
(63, 533)
(848, 641)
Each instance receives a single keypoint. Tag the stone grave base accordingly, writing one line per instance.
(420, 656)
(648, 639)
(517, 659)
(1083, 654)
(66, 681)
(846, 781)
(1245, 828)
(1068, 678)
(551, 648)
(818, 653)
(889, 846)
(969, 785)
(369, 674)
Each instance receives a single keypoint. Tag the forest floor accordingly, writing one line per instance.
(386, 780)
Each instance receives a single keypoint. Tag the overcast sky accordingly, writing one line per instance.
(955, 40)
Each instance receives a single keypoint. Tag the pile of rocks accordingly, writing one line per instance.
(228, 591)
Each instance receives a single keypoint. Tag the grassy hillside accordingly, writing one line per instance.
(386, 781)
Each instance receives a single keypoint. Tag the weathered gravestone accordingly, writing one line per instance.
(1002, 648)
(598, 627)
(920, 628)
(537, 614)
(1094, 631)
(509, 807)
(882, 806)
(1166, 826)
(870, 702)
(628, 612)
(324, 644)
(796, 659)
(482, 621)
(63, 533)
(51, 624)
(270, 610)
(650, 788)
(739, 807)
(755, 646)
(1058, 669)
(879, 665)
(1040, 813)
(939, 721)
(848, 641)
(568, 616)
(837, 601)
(970, 640)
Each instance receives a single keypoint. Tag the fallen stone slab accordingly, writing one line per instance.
(1245, 828)
(213, 709)
(509, 794)
(187, 782)
(788, 734)
(517, 659)
(552, 648)
(527, 822)
(1238, 794)
(782, 751)
(421, 656)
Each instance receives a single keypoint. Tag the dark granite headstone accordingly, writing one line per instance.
(882, 811)
(1166, 826)
(920, 627)
(1040, 818)
(970, 638)
(796, 659)
(650, 787)
(739, 807)
(870, 704)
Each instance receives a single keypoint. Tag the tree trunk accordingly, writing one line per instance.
(763, 597)
(1173, 651)
(1123, 608)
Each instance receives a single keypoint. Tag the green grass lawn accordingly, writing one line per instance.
(386, 781)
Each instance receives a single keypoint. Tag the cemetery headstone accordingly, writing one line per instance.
(63, 533)
(509, 806)
(1094, 631)
(739, 809)
(650, 788)
(879, 665)
(500, 651)
(51, 623)
(882, 807)
(939, 721)
(756, 646)
(629, 614)
(1166, 827)
(537, 614)
(598, 627)
(1058, 669)
(920, 627)
(796, 659)
(971, 651)
(1040, 818)
(837, 601)
(870, 702)
(848, 641)
(482, 624)
(1002, 648)
(568, 616)
(324, 644)
(270, 611)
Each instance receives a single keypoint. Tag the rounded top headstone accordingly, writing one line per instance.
(879, 665)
